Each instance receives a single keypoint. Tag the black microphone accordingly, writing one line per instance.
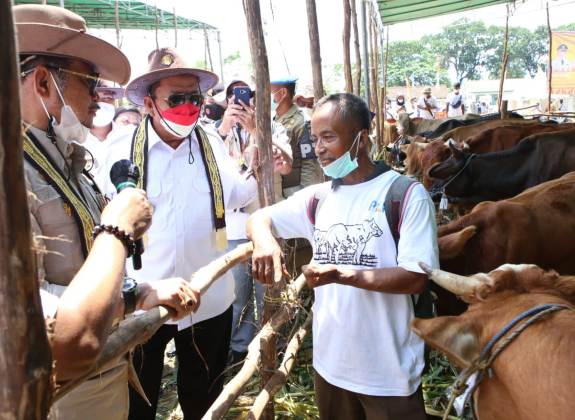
(124, 174)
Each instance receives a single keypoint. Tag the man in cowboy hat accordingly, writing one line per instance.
(427, 105)
(191, 182)
(104, 131)
(59, 68)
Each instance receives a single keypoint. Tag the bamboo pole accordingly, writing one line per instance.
(384, 90)
(315, 53)
(504, 60)
(234, 387)
(357, 77)
(281, 374)
(25, 355)
(550, 74)
(221, 58)
(346, 40)
(139, 329)
(208, 51)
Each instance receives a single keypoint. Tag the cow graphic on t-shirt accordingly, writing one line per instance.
(345, 244)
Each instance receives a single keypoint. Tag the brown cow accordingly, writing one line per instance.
(532, 378)
(461, 134)
(534, 227)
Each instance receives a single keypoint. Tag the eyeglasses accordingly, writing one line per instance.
(91, 81)
(176, 99)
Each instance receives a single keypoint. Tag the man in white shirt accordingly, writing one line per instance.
(191, 181)
(368, 362)
(427, 105)
(454, 105)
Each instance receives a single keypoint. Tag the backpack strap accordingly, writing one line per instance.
(317, 201)
(394, 204)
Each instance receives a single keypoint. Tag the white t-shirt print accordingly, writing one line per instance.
(362, 340)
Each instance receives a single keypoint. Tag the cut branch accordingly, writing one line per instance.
(346, 52)
(280, 376)
(139, 329)
(233, 388)
(315, 53)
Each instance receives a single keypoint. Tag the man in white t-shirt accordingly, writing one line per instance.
(368, 362)
(454, 106)
(427, 105)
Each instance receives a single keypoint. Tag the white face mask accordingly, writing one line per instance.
(104, 115)
(69, 128)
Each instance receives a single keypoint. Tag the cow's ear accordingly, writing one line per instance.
(452, 245)
(453, 335)
(456, 152)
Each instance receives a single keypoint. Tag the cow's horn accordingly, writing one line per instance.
(460, 285)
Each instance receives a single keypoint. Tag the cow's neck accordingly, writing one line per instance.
(496, 176)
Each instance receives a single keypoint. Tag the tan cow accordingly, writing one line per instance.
(532, 378)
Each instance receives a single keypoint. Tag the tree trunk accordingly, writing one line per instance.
(265, 172)
(346, 52)
(357, 78)
(318, 91)
(25, 355)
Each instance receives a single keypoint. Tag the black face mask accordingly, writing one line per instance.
(214, 111)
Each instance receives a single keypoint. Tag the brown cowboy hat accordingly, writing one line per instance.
(51, 30)
(163, 63)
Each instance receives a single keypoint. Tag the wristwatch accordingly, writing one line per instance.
(129, 290)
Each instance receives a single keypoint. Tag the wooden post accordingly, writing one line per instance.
(504, 60)
(318, 91)
(117, 22)
(175, 28)
(221, 58)
(25, 355)
(207, 51)
(357, 77)
(265, 171)
(550, 74)
(346, 39)
(365, 51)
(374, 78)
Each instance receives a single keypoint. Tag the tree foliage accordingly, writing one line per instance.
(409, 63)
(472, 50)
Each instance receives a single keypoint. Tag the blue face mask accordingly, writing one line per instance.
(343, 165)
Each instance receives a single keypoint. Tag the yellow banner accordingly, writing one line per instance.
(563, 63)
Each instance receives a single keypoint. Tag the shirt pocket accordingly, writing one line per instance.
(160, 202)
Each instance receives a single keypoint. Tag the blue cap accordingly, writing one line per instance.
(287, 80)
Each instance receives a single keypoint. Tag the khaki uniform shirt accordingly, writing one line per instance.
(305, 172)
(53, 224)
(57, 235)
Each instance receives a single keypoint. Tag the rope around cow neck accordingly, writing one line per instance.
(486, 357)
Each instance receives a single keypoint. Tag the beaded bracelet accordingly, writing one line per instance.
(126, 239)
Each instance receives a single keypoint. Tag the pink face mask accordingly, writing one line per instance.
(180, 120)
